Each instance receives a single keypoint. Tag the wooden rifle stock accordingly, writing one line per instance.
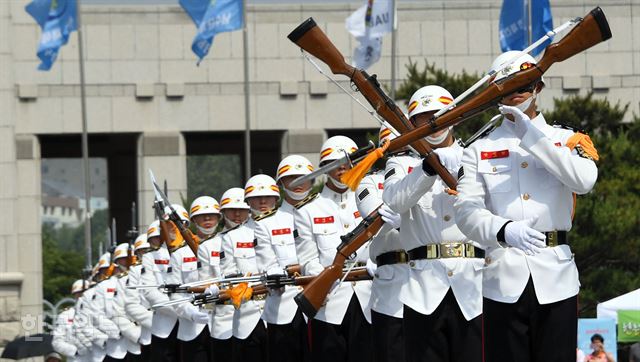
(313, 40)
(592, 30)
(312, 298)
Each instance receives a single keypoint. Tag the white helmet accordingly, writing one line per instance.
(386, 133)
(368, 196)
(79, 286)
(294, 165)
(104, 261)
(204, 205)
(182, 212)
(153, 229)
(335, 148)
(233, 198)
(122, 251)
(522, 62)
(261, 185)
(429, 98)
(141, 242)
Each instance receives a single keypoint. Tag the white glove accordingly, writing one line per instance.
(521, 235)
(371, 268)
(521, 120)
(212, 290)
(275, 271)
(450, 158)
(389, 216)
(195, 315)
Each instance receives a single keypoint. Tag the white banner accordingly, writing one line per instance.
(374, 17)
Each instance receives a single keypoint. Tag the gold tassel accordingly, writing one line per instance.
(353, 177)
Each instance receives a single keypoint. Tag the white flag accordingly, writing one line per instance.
(374, 17)
(367, 52)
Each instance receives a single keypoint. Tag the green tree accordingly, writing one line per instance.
(61, 267)
(212, 175)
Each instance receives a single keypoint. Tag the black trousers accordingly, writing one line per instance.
(197, 349)
(253, 348)
(388, 342)
(288, 342)
(528, 331)
(350, 341)
(443, 336)
(165, 349)
(221, 349)
(145, 355)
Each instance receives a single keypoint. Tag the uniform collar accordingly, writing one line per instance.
(286, 207)
(335, 196)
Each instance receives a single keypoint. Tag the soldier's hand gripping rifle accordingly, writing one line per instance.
(311, 299)
(313, 40)
(174, 217)
(589, 31)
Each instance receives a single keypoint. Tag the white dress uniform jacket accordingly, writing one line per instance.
(156, 264)
(428, 218)
(183, 268)
(506, 178)
(136, 306)
(238, 245)
(276, 249)
(64, 341)
(209, 254)
(385, 289)
(319, 224)
(128, 329)
(104, 314)
(92, 338)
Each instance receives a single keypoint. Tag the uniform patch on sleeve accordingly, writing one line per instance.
(169, 269)
(461, 173)
(295, 234)
(222, 255)
(363, 194)
(390, 173)
(143, 270)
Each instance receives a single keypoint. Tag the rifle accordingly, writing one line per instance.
(173, 217)
(132, 234)
(313, 40)
(589, 31)
(312, 298)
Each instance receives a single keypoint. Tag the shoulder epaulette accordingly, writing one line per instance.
(569, 127)
(226, 231)
(182, 244)
(306, 200)
(123, 274)
(266, 215)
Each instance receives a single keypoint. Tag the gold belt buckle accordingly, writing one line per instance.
(403, 258)
(552, 238)
(470, 251)
(452, 250)
(432, 251)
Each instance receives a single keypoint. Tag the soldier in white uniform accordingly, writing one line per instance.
(65, 341)
(136, 305)
(129, 330)
(238, 244)
(391, 261)
(205, 214)
(164, 327)
(235, 212)
(442, 296)
(516, 197)
(184, 266)
(88, 334)
(341, 330)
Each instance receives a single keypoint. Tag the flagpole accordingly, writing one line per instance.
(529, 25)
(85, 145)
(247, 117)
(393, 51)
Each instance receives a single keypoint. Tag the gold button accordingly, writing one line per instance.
(450, 273)
(346, 226)
(325, 231)
(343, 206)
(524, 164)
(526, 197)
(494, 169)
(447, 218)
(412, 264)
(487, 260)
(353, 284)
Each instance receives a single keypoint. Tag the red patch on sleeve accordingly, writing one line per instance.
(192, 259)
(215, 253)
(162, 261)
(356, 214)
(111, 290)
(409, 169)
(284, 231)
(558, 144)
(487, 155)
(380, 186)
(244, 245)
(323, 220)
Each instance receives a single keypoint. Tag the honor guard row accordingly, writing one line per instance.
(481, 273)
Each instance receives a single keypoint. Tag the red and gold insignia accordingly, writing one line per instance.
(225, 201)
(356, 214)
(195, 208)
(191, 259)
(488, 155)
(215, 254)
(284, 231)
(445, 100)
(249, 190)
(244, 245)
(323, 220)
(275, 188)
(326, 152)
(284, 169)
(412, 106)
(526, 65)
(161, 261)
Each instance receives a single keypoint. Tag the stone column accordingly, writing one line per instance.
(304, 142)
(164, 154)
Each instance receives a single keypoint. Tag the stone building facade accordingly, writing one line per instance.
(143, 82)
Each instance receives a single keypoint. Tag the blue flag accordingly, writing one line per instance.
(513, 24)
(57, 19)
(212, 17)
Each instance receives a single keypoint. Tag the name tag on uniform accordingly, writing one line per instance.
(488, 155)
(215, 254)
(111, 290)
(189, 263)
(323, 220)
(356, 214)
(244, 245)
(192, 259)
(284, 231)
(162, 261)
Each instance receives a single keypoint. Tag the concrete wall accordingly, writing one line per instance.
(142, 77)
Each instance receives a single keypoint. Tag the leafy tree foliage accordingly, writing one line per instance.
(61, 267)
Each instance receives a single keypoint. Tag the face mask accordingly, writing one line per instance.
(439, 139)
(231, 224)
(527, 103)
(338, 184)
(206, 231)
(297, 195)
